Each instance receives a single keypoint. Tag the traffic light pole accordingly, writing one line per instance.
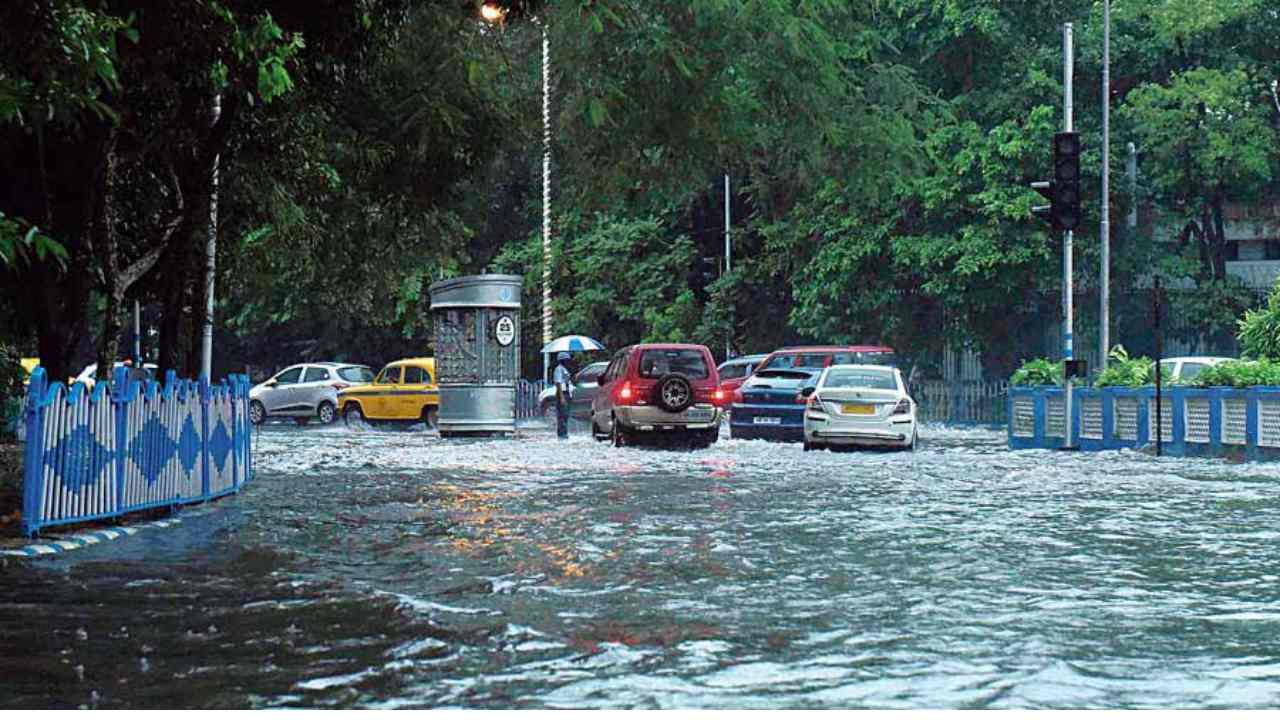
(1067, 289)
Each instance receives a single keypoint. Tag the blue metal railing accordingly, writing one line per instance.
(1218, 422)
(107, 452)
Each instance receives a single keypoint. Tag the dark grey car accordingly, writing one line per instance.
(585, 384)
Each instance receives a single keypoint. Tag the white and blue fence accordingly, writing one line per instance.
(104, 453)
(1222, 422)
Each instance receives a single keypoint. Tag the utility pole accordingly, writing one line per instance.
(1068, 341)
(728, 263)
(210, 260)
(1104, 324)
(137, 334)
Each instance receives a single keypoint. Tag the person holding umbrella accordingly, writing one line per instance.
(564, 393)
(563, 377)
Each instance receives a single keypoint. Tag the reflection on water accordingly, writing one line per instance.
(391, 569)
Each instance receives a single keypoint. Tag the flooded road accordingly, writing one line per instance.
(391, 569)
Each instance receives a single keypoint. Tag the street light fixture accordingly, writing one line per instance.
(494, 13)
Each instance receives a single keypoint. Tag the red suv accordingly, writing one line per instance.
(662, 389)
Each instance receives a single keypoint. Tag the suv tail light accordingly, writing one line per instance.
(718, 397)
(902, 408)
(626, 394)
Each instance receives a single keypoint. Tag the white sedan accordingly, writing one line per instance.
(859, 405)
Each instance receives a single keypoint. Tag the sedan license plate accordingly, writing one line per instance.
(761, 420)
(858, 409)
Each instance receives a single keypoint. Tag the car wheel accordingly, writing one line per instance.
(595, 432)
(257, 413)
(620, 437)
(353, 415)
(431, 416)
(326, 413)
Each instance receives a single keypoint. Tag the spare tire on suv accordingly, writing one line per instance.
(675, 392)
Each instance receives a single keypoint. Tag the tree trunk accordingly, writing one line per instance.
(1219, 239)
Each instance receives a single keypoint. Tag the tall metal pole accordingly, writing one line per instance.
(1067, 290)
(1159, 356)
(728, 262)
(210, 252)
(547, 318)
(1104, 323)
(137, 334)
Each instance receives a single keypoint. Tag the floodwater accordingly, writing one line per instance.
(387, 569)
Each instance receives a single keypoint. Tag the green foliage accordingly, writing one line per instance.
(1124, 371)
(1240, 374)
(12, 390)
(1260, 329)
(21, 244)
(76, 49)
(1038, 371)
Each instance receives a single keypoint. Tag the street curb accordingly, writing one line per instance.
(83, 540)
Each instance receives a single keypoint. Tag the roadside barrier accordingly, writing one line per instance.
(1212, 422)
(139, 445)
(527, 398)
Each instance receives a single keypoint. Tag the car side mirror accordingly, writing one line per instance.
(271, 383)
(808, 391)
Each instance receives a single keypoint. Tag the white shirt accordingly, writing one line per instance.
(564, 380)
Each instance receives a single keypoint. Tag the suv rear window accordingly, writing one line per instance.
(690, 363)
(356, 374)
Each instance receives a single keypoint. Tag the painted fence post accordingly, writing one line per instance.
(204, 440)
(33, 453)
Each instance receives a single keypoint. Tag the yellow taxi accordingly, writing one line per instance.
(403, 390)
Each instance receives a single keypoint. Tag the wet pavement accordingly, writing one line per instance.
(384, 569)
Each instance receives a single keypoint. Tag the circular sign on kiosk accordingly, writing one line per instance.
(504, 330)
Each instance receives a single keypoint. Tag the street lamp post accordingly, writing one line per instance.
(494, 13)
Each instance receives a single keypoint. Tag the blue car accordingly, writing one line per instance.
(769, 405)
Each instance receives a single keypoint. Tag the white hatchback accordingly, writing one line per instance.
(859, 406)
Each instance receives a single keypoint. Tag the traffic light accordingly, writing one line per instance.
(1063, 192)
(1066, 180)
